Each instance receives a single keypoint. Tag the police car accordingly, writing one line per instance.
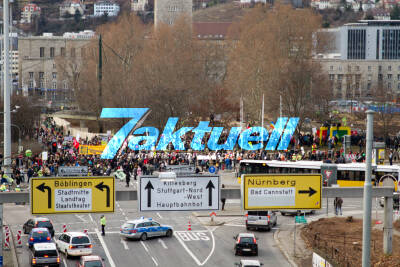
(144, 228)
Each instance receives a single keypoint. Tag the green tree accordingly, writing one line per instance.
(395, 12)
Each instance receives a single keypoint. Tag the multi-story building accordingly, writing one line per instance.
(366, 61)
(168, 11)
(106, 7)
(28, 12)
(71, 7)
(139, 5)
(47, 64)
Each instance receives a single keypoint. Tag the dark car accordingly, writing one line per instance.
(38, 222)
(45, 254)
(246, 244)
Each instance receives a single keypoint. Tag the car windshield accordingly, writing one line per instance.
(96, 263)
(46, 224)
(128, 225)
(248, 240)
(80, 240)
(43, 253)
(40, 234)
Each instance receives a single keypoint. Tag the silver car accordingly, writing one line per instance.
(144, 228)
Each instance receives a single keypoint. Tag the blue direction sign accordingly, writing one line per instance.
(211, 169)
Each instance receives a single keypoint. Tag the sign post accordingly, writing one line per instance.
(183, 193)
(281, 191)
(73, 171)
(72, 195)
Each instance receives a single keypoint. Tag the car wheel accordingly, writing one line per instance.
(143, 237)
(283, 213)
(236, 252)
(66, 253)
(169, 233)
(312, 212)
(256, 253)
(268, 229)
(247, 228)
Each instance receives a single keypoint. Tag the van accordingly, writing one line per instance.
(45, 254)
(260, 219)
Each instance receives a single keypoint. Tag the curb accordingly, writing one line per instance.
(13, 250)
(218, 215)
(284, 252)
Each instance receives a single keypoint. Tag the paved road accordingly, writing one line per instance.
(202, 246)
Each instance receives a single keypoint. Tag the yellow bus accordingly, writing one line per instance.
(348, 174)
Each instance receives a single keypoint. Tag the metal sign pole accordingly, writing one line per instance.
(1, 234)
(294, 239)
(366, 247)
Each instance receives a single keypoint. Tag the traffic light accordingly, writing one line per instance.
(54, 147)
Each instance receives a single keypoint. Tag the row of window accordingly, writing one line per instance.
(42, 52)
(357, 68)
(356, 86)
(358, 77)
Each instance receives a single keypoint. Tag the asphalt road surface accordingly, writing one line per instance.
(200, 246)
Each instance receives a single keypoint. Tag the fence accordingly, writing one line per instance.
(339, 249)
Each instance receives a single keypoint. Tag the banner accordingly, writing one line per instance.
(91, 150)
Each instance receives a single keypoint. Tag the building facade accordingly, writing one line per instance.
(29, 11)
(138, 5)
(368, 61)
(45, 63)
(168, 11)
(71, 7)
(106, 7)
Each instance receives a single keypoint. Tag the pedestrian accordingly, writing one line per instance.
(103, 224)
(223, 199)
(127, 176)
(338, 205)
(391, 157)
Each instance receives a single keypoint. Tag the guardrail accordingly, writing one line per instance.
(227, 193)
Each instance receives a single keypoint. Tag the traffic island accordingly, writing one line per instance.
(339, 241)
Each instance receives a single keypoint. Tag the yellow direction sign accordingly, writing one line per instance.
(281, 191)
(54, 195)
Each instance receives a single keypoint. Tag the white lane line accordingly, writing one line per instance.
(147, 250)
(187, 249)
(65, 262)
(159, 215)
(125, 244)
(162, 243)
(81, 218)
(91, 218)
(236, 225)
(196, 231)
(103, 244)
(213, 247)
(154, 260)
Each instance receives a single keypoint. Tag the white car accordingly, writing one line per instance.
(74, 244)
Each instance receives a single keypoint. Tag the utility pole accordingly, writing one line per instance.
(7, 117)
(262, 120)
(6, 69)
(99, 79)
(366, 246)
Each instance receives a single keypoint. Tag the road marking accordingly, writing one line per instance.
(80, 217)
(154, 260)
(65, 262)
(147, 250)
(187, 249)
(162, 243)
(159, 215)
(125, 244)
(91, 218)
(193, 236)
(236, 225)
(141, 242)
(103, 244)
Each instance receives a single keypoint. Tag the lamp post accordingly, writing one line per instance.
(19, 132)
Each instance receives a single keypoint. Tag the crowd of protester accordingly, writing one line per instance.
(63, 150)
